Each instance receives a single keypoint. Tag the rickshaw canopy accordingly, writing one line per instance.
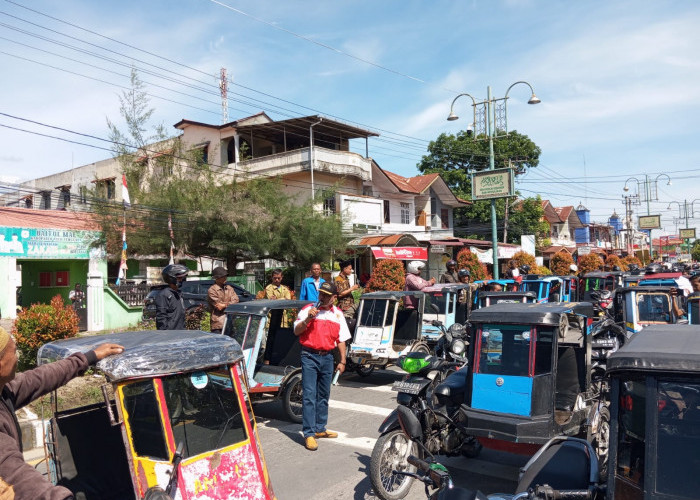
(660, 348)
(263, 307)
(391, 295)
(520, 313)
(150, 353)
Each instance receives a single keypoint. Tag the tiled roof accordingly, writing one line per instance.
(414, 185)
(50, 219)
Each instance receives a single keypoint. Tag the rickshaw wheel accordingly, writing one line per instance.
(156, 493)
(420, 347)
(601, 443)
(293, 399)
(390, 453)
(364, 370)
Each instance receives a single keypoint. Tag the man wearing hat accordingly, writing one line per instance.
(320, 327)
(18, 479)
(219, 296)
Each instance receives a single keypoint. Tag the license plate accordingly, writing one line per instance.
(407, 387)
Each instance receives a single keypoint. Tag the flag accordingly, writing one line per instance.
(172, 238)
(125, 193)
(122, 265)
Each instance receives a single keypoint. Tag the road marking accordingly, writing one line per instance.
(374, 410)
(357, 385)
(363, 443)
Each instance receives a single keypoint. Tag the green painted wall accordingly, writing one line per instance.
(118, 315)
(31, 293)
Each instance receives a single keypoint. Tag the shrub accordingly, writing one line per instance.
(467, 260)
(614, 260)
(588, 263)
(542, 270)
(522, 258)
(40, 324)
(388, 275)
(560, 263)
(631, 259)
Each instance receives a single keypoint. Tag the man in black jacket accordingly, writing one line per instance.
(170, 308)
(19, 480)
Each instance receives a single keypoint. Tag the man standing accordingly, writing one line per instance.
(414, 282)
(77, 296)
(219, 296)
(18, 479)
(311, 285)
(319, 331)
(346, 302)
(276, 290)
(170, 308)
(451, 275)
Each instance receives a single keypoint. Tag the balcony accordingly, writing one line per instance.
(342, 163)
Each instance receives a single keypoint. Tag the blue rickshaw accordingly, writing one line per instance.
(599, 280)
(693, 304)
(548, 288)
(447, 303)
(489, 298)
(639, 306)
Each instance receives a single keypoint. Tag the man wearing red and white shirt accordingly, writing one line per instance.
(320, 327)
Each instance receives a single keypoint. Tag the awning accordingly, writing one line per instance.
(447, 243)
(400, 253)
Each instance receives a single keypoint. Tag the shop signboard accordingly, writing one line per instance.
(437, 248)
(44, 243)
(649, 222)
(687, 233)
(489, 184)
(400, 253)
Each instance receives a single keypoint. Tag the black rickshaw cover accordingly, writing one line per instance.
(659, 348)
(150, 353)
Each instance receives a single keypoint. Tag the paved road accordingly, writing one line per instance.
(339, 468)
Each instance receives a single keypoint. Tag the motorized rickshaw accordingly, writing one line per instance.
(693, 308)
(451, 303)
(388, 326)
(660, 279)
(271, 351)
(529, 377)
(655, 425)
(548, 288)
(489, 298)
(176, 422)
(598, 280)
(640, 306)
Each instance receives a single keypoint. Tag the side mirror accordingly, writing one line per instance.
(436, 323)
(409, 423)
(434, 309)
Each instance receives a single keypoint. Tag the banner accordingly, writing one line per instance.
(36, 243)
(401, 253)
(484, 256)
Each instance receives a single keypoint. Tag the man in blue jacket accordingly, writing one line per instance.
(310, 285)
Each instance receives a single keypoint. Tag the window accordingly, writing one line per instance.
(236, 327)
(204, 410)
(329, 206)
(373, 312)
(543, 351)
(65, 197)
(630, 439)
(405, 213)
(387, 212)
(46, 200)
(144, 420)
(44, 279)
(62, 278)
(445, 218)
(505, 350)
(29, 202)
(653, 308)
(164, 164)
(83, 194)
(434, 220)
(105, 188)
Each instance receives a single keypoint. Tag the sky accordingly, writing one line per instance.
(618, 81)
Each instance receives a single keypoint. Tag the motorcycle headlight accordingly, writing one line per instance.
(457, 330)
(458, 347)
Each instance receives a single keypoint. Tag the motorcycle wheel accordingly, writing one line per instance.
(156, 493)
(364, 370)
(601, 443)
(293, 399)
(389, 454)
(420, 347)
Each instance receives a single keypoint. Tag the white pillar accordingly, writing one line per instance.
(10, 279)
(95, 302)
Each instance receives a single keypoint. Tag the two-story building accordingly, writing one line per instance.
(563, 223)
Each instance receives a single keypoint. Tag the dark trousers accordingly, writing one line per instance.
(316, 376)
(216, 330)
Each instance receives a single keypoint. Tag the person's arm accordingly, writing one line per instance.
(161, 311)
(342, 349)
(305, 316)
(234, 298)
(20, 480)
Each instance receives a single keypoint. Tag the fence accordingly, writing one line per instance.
(131, 294)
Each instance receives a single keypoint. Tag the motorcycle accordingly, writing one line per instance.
(419, 394)
(564, 468)
(602, 301)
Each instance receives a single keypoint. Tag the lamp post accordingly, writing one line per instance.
(489, 126)
(648, 197)
(684, 214)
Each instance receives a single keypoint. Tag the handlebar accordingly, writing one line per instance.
(546, 492)
(437, 477)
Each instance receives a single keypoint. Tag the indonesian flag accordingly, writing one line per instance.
(172, 238)
(122, 265)
(125, 193)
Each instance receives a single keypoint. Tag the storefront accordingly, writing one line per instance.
(367, 250)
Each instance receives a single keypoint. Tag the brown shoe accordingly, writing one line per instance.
(327, 434)
(310, 443)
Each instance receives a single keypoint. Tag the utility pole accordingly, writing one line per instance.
(223, 86)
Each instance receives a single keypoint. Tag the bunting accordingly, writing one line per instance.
(125, 193)
(122, 265)
(172, 238)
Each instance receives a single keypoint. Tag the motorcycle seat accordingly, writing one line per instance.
(454, 386)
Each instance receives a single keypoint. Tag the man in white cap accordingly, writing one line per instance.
(18, 479)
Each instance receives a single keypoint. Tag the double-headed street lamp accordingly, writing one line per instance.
(494, 112)
(684, 214)
(648, 196)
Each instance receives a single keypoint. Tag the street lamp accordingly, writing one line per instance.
(490, 107)
(648, 197)
(684, 214)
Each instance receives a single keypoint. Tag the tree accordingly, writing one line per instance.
(561, 262)
(695, 251)
(613, 260)
(588, 263)
(631, 259)
(453, 156)
(213, 213)
(467, 260)
(521, 258)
